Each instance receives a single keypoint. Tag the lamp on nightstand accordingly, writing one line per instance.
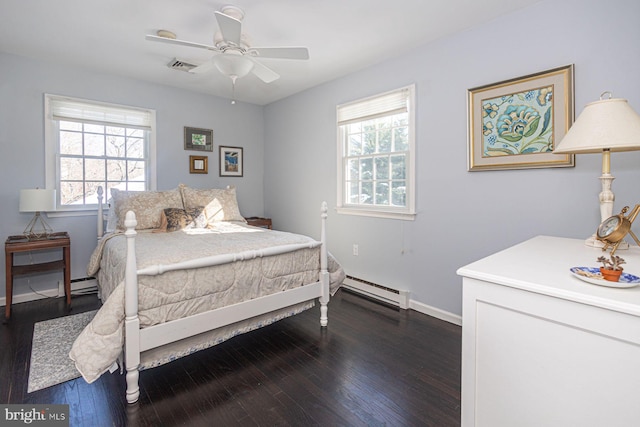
(603, 126)
(37, 200)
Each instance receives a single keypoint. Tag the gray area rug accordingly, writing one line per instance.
(52, 341)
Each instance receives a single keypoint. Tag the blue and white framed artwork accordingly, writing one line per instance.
(231, 161)
(516, 124)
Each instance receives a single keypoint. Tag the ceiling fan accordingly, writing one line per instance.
(234, 58)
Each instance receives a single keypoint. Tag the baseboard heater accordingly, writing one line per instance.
(83, 285)
(396, 297)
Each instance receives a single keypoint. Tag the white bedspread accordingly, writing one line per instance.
(177, 294)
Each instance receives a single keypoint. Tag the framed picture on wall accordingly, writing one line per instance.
(517, 123)
(198, 164)
(231, 161)
(198, 139)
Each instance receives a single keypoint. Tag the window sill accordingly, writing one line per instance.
(405, 216)
(74, 212)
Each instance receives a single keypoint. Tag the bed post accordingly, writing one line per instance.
(131, 320)
(100, 217)
(324, 274)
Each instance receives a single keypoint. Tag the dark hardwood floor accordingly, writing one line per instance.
(373, 366)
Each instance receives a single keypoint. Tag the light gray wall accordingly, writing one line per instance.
(23, 83)
(462, 216)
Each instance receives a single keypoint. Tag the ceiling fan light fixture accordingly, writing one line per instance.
(233, 65)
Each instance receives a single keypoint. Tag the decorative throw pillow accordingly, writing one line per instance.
(219, 204)
(147, 205)
(174, 219)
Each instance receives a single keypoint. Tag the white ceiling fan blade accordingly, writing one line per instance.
(281, 52)
(180, 42)
(231, 28)
(265, 74)
(203, 68)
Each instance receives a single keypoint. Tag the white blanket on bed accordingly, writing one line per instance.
(177, 294)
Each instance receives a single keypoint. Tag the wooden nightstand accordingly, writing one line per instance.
(259, 222)
(21, 244)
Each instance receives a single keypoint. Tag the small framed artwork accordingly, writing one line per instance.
(230, 161)
(198, 139)
(517, 123)
(198, 164)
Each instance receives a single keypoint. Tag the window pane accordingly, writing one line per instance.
(70, 143)
(353, 171)
(70, 126)
(91, 192)
(116, 170)
(353, 194)
(135, 133)
(115, 146)
(88, 127)
(384, 142)
(136, 186)
(384, 122)
(399, 193)
(401, 139)
(93, 145)
(95, 169)
(71, 192)
(382, 193)
(355, 128)
(398, 169)
(366, 197)
(136, 171)
(135, 148)
(400, 119)
(382, 168)
(369, 145)
(355, 144)
(71, 168)
(366, 169)
(115, 131)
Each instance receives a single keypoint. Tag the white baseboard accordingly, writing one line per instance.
(77, 286)
(31, 296)
(436, 312)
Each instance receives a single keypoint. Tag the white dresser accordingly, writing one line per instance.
(542, 348)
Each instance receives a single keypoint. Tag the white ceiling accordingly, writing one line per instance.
(342, 36)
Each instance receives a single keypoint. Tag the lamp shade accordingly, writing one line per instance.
(607, 124)
(232, 64)
(37, 200)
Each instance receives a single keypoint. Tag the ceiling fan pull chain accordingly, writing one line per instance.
(233, 89)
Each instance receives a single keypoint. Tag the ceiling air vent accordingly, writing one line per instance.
(176, 64)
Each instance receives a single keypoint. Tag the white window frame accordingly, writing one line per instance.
(364, 109)
(52, 143)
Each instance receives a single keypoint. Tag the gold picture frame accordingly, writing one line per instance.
(517, 123)
(198, 164)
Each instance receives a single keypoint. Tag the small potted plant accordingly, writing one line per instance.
(611, 269)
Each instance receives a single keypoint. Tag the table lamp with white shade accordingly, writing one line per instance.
(37, 200)
(603, 126)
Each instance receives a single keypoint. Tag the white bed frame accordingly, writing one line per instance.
(139, 340)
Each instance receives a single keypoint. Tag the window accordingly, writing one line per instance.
(376, 155)
(91, 144)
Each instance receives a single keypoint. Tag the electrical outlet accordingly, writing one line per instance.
(355, 249)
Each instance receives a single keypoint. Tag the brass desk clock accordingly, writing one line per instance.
(613, 229)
